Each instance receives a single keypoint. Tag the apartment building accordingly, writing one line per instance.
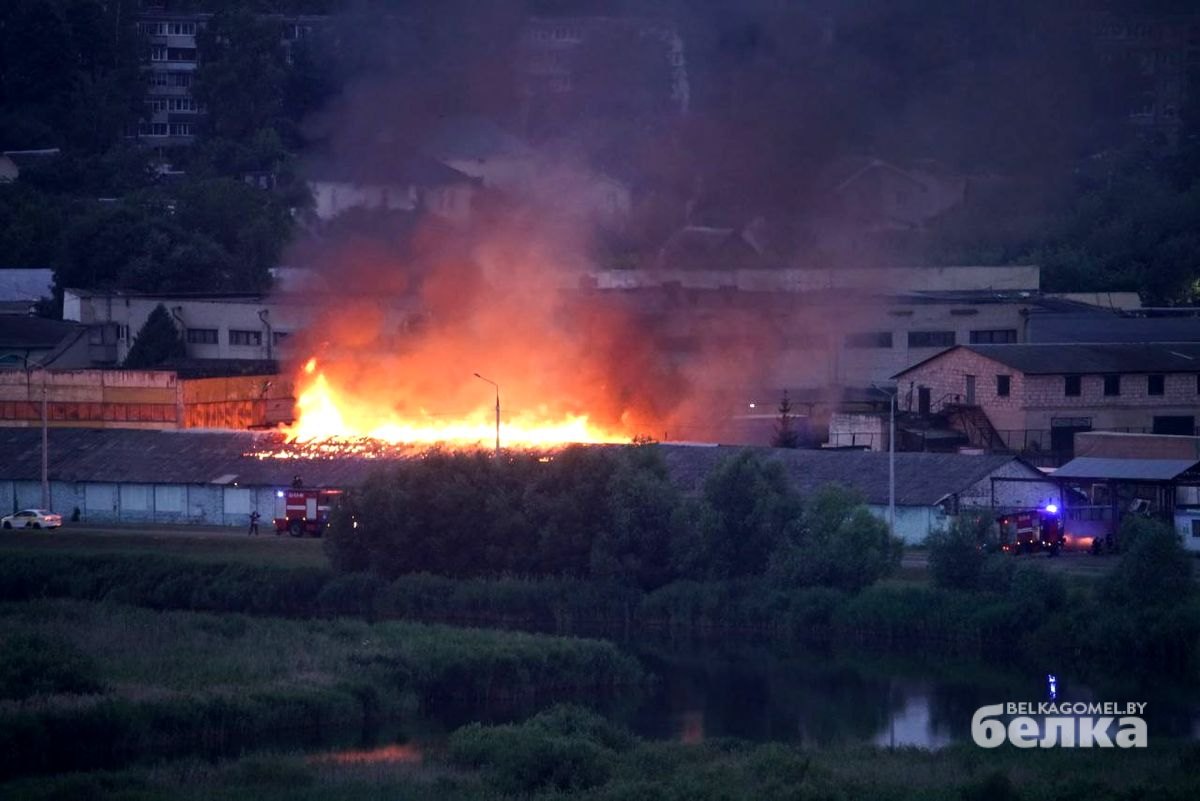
(173, 115)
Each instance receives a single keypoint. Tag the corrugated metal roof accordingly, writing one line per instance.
(183, 457)
(1126, 469)
(1062, 359)
(922, 479)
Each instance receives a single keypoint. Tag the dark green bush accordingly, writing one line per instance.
(956, 555)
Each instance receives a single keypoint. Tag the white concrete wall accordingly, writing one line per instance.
(224, 315)
(100, 502)
(1187, 523)
(913, 523)
(1012, 494)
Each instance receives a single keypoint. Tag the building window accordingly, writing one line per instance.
(1073, 387)
(1155, 384)
(181, 104)
(994, 336)
(245, 338)
(871, 339)
(158, 53)
(181, 129)
(180, 54)
(1003, 385)
(160, 78)
(181, 79)
(202, 336)
(279, 336)
(930, 339)
(1112, 385)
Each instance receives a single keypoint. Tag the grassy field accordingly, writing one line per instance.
(200, 543)
(93, 684)
(568, 753)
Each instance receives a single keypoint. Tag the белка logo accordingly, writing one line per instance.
(1068, 724)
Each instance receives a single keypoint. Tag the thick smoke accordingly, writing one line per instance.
(779, 94)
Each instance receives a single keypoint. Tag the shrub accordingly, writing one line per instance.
(838, 543)
(956, 555)
(1155, 570)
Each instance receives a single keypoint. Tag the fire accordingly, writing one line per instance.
(325, 413)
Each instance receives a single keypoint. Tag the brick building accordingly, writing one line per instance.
(1037, 397)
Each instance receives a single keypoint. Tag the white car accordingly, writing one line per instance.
(32, 518)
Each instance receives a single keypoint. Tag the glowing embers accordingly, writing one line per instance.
(333, 418)
(395, 754)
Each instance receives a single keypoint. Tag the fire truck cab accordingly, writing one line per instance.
(304, 510)
(1032, 530)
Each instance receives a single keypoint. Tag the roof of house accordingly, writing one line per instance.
(922, 479)
(1078, 358)
(1091, 467)
(414, 170)
(1108, 327)
(470, 136)
(19, 332)
(194, 457)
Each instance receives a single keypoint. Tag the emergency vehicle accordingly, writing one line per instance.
(1032, 530)
(304, 510)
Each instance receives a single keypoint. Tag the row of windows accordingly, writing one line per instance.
(1155, 385)
(180, 79)
(167, 28)
(166, 129)
(211, 336)
(931, 339)
(171, 104)
(164, 53)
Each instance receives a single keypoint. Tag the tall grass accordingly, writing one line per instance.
(567, 753)
(171, 683)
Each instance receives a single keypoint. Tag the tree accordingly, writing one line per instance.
(956, 556)
(749, 505)
(243, 75)
(839, 544)
(786, 435)
(158, 341)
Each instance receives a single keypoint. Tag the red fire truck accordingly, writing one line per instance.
(304, 510)
(1031, 530)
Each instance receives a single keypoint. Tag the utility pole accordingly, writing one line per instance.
(497, 386)
(45, 447)
(891, 459)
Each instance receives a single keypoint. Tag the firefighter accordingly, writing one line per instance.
(253, 523)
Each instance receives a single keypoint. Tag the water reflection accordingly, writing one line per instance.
(758, 694)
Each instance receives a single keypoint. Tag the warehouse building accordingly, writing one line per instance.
(219, 478)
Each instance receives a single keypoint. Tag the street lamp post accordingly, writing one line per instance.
(497, 386)
(891, 459)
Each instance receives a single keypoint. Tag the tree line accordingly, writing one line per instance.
(605, 513)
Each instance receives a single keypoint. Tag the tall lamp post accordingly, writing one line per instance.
(891, 459)
(497, 386)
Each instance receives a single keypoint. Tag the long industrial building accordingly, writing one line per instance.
(219, 478)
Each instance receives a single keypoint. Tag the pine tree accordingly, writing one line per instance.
(158, 341)
(786, 436)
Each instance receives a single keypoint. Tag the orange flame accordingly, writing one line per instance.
(323, 412)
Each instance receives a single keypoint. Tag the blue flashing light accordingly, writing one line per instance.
(278, 493)
(1052, 685)
(1052, 508)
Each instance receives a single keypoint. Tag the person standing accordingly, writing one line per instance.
(253, 523)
